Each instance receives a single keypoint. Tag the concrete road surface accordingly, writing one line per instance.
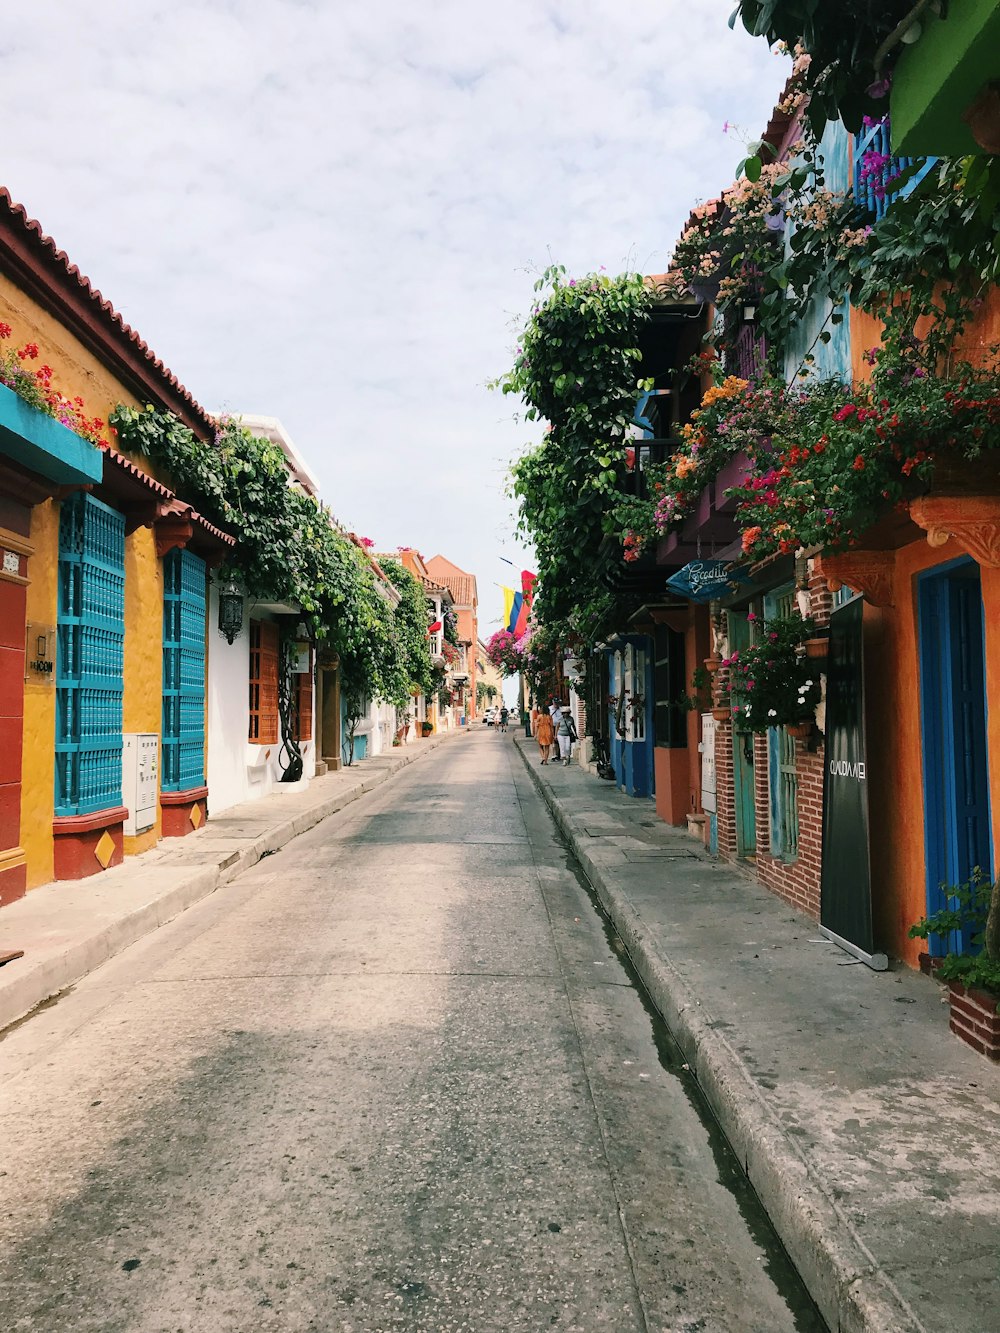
(397, 1077)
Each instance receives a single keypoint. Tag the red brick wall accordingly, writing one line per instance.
(798, 881)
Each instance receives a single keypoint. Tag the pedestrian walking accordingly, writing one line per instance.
(565, 733)
(544, 734)
(504, 717)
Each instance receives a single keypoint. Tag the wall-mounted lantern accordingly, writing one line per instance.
(230, 610)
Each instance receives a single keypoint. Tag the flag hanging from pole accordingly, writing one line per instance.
(508, 605)
(524, 611)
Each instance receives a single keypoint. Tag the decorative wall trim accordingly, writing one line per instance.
(872, 573)
(973, 521)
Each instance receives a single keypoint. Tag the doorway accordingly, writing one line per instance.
(957, 831)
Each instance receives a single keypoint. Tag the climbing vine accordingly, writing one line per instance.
(288, 547)
(577, 368)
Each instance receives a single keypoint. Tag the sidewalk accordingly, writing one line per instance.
(870, 1133)
(69, 928)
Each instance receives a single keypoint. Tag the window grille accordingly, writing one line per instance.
(875, 169)
(263, 682)
(183, 751)
(783, 780)
(91, 657)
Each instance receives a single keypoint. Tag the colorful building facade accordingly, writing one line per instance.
(104, 625)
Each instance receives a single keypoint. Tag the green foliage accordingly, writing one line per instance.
(852, 45)
(288, 548)
(973, 906)
(772, 683)
(411, 627)
(577, 368)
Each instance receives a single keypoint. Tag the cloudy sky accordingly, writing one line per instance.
(332, 211)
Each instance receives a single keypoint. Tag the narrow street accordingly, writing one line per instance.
(398, 1076)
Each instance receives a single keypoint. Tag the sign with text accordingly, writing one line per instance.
(705, 580)
(845, 898)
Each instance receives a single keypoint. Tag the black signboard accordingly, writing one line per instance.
(846, 903)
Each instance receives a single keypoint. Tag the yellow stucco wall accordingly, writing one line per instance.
(142, 703)
(76, 371)
(38, 765)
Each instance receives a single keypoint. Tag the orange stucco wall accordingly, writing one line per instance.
(980, 334)
(896, 777)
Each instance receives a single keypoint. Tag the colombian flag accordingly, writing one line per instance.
(517, 605)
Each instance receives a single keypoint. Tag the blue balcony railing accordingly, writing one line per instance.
(874, 189)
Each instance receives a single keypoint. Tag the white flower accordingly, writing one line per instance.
(772, 712)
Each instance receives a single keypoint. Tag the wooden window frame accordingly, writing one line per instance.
(303, 710)
(263, 684)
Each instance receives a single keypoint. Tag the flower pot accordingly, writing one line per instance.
(974, 1018)
(817, 648)
(722, 714)
(712, 664)
(799, 731)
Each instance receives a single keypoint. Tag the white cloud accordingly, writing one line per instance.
(327, 211)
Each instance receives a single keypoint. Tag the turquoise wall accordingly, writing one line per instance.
(834, 357)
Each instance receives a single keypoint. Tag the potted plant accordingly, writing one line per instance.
(971, 912)
(772, 683)
(426, 727)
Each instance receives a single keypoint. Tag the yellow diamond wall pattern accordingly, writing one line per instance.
(105, 849)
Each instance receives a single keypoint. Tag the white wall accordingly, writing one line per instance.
(237, 770)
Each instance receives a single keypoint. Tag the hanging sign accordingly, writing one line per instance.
(706, 580)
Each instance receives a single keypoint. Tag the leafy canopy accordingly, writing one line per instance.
(577, 369)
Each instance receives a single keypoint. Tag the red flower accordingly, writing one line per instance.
(5, 330)
(846, 411)
(859, 464)
(29, 351)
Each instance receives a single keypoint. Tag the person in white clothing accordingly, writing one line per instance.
(562, 721)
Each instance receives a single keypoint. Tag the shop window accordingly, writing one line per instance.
(91, 657)
(182, 764)
(783, 778)
(263, 682)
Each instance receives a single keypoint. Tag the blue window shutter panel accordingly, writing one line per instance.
(91, 657)
(183, 764)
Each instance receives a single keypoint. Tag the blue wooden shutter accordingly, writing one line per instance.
(91, 652)
(183, 764)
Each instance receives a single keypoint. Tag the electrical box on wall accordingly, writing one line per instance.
(140, 779)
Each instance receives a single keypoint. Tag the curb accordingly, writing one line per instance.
(22, 994)
(850, 1287)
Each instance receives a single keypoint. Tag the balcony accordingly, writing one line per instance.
(36, 441)
(873, 190)
(646, 454)
(710, 530)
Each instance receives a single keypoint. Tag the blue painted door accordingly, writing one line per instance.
(953, 717)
